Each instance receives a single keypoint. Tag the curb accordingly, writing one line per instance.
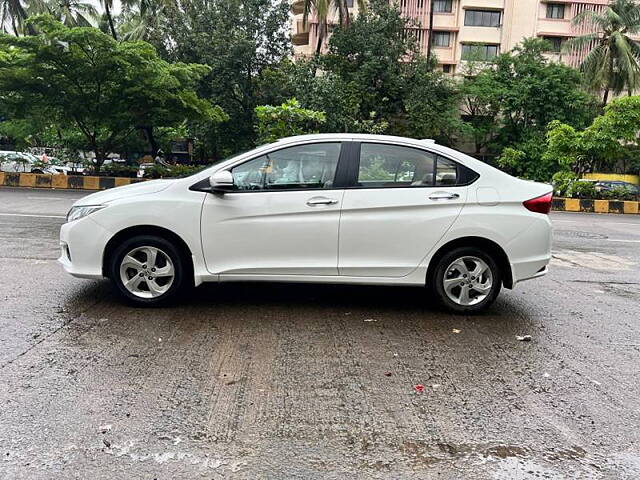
(594, 206)
(68, 182)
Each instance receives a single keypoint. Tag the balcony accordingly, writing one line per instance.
(299, 39)
(297, 7)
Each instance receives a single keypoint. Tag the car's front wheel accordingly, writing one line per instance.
(467, 280)
(148, 270)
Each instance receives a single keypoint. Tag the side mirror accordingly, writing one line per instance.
(221, 181)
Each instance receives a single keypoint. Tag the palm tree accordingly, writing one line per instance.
(12, 16)
(322, 9)
(140, 17)
(73, 13)
(613, 62)
(108, 5)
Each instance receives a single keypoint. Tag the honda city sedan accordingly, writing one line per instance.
(332, 208)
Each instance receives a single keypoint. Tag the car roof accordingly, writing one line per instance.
(355, 136)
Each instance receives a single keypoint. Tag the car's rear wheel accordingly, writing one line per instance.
(466, 280)
(148, 270)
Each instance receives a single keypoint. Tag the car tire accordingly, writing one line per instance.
(148, 270)
(466, 280)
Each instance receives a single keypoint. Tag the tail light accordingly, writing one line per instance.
(540, 204)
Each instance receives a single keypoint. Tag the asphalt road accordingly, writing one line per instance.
(307, 381)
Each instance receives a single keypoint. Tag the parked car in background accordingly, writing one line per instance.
(22, 162)
(613, 185)
(333, 208)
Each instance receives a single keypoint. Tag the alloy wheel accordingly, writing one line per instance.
(468, 280)
(147, 272)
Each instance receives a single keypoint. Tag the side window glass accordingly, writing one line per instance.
(310, 166)
(394, 166)
(446, 172)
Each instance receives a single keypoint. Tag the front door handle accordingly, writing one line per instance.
(312, 202)
(443, 196)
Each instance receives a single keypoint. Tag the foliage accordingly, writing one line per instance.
(612, 63)
(117, 169)
(159, 171)
(286, 120)
(241, 41)
(582, 189)
(373, 80)
(562, 181)
(611, 137)
(105, 89)
(321, 10)
(511, 158)
(619, 193)
(510, 105)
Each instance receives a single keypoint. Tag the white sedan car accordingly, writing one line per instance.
(335, 208)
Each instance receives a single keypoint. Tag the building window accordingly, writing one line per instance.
(446, 68)
(349, 3)
(441, 39)
(482, 18)
(556, 43)
(442, 6)
(555, 10)
(479, 52)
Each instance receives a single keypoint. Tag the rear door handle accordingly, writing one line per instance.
(312, 202)
(443, 196)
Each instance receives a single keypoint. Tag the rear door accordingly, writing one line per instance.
(401, 203)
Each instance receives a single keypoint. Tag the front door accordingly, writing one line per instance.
(282, 217)
(404, 200)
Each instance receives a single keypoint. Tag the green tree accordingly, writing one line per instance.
(612, 64)
(322, 9)
(105, 89)
(611, 138)
(72, 13)
(12, 16)
(286, 120)
(522, 93)
(241, 41)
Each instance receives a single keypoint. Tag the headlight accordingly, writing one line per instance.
(82, 211)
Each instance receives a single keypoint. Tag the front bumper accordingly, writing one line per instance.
(82, 245)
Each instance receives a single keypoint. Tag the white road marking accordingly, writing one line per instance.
(30, 215)
(46, 198)
(601, 223)
(620, 240)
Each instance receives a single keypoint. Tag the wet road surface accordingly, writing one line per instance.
(308, 381)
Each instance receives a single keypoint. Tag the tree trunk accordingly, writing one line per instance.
(322, 29)
(153, 144)
(605, 98)
(110, 20)
(344, 13)
(99, 161)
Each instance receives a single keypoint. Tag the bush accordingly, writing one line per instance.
(618, 193)
(119, 170)
(159, 171)
(582, 189)
(562, 182)
(156, 171)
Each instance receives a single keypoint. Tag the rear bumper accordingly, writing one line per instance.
(530, 252)
(82, 245)
(529, 270)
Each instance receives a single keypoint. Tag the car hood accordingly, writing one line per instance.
(141, 188)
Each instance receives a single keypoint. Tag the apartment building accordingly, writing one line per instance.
(478, 28)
